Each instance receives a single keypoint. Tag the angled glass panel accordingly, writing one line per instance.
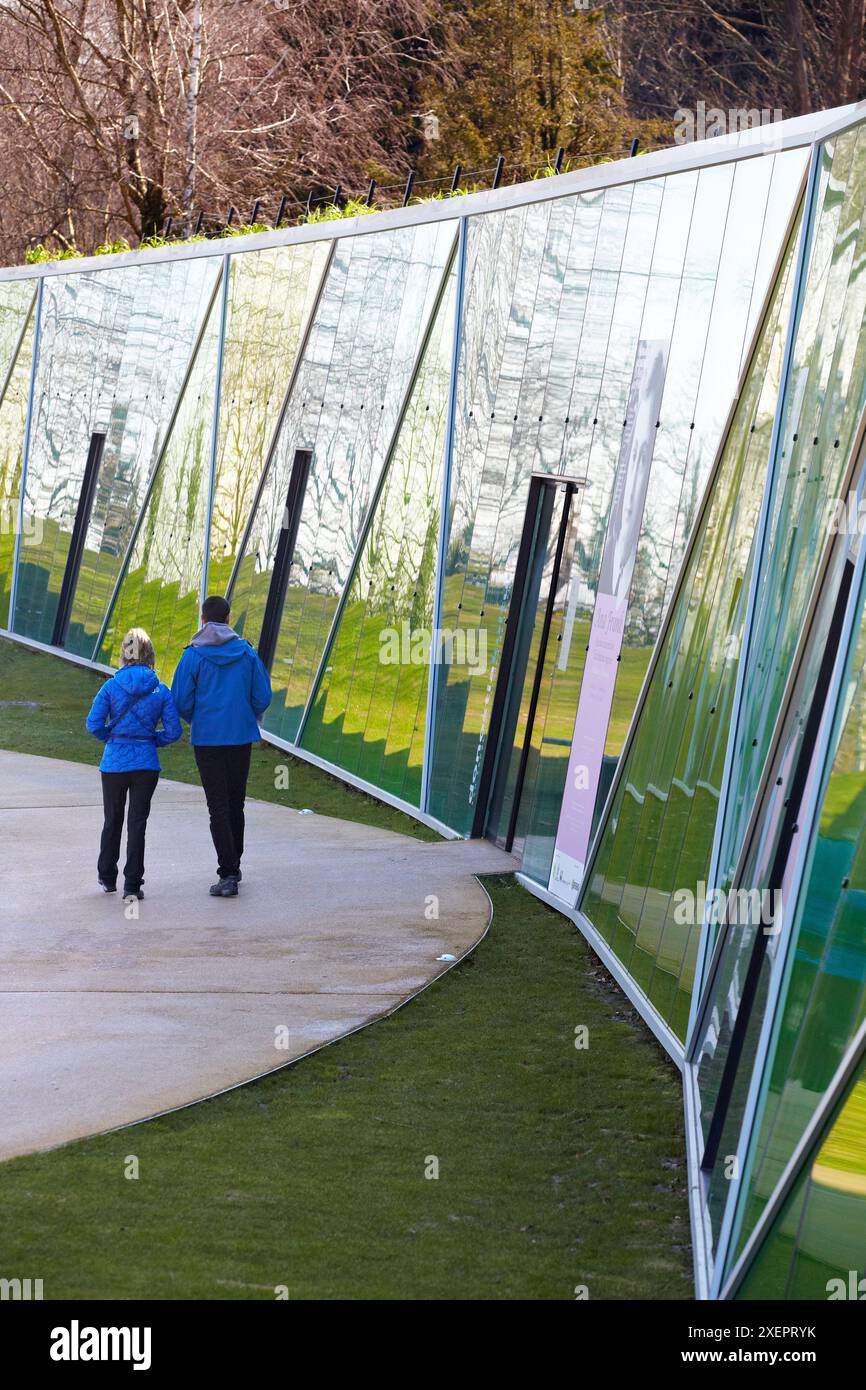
(161, 582)
(815, 1247)
(526, 281)
(658, 835)
(369, 713)
(557, 302)
(17, 333)
(823, 404)
(345, 406)
(823, 999)
(114, 346)
(271, 297)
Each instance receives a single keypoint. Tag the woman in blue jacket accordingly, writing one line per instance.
(126, 715)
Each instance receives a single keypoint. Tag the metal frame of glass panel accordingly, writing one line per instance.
(214, 436)
(13, 594)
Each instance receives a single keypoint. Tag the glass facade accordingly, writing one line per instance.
(658, 834)
(824, 401)
(113, 349)
(558, 299)
(532, 501)
(346, 405)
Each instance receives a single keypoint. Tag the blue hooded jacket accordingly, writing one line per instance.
(221, 688)
(135, 695)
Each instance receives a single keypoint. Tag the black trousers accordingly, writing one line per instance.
(140, 787)
(224, 769)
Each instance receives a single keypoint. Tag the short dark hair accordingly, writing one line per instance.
(215, 609)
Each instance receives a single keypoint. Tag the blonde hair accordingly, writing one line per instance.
(136, 649)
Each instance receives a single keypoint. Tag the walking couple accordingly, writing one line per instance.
(221, 689)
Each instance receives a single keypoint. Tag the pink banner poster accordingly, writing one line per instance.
(608, 621)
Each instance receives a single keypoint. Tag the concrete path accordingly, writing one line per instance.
(106, 1020)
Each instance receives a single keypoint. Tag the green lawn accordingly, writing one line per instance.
(558, 1167)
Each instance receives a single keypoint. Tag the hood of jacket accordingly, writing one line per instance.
(137, 679)
(220, 643)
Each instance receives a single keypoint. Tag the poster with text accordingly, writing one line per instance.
(608, 620)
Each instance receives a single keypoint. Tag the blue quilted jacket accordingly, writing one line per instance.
(126, 715)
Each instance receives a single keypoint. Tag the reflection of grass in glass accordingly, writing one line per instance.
(168, 616)
(372, 734)
(844, 1149)
(842, 814)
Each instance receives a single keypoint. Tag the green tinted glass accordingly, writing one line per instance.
(643, 893)
(369, 712)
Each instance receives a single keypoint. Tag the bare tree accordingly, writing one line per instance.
(117, 113)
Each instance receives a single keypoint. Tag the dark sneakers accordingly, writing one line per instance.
(226, 887)
(130, 894)
(107, 887)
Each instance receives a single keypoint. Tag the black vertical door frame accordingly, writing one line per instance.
(513, 626)
(539, 665)
(79, 536)
(285, 552)
(509, 643)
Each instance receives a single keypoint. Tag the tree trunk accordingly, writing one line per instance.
(192, 88)
(797, 59)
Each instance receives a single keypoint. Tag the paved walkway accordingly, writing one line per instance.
(105, 1020)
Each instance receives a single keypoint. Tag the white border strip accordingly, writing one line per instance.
(698, 154)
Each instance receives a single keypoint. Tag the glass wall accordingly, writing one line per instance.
(815, 1246)
(345, 406)
(369, 712)
(271, 297)
(822, 951)
(113, 349)
(17, 335)
(558, 300)
(658, 835)
(824, 400)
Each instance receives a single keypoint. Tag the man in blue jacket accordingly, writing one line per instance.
(222, 689)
